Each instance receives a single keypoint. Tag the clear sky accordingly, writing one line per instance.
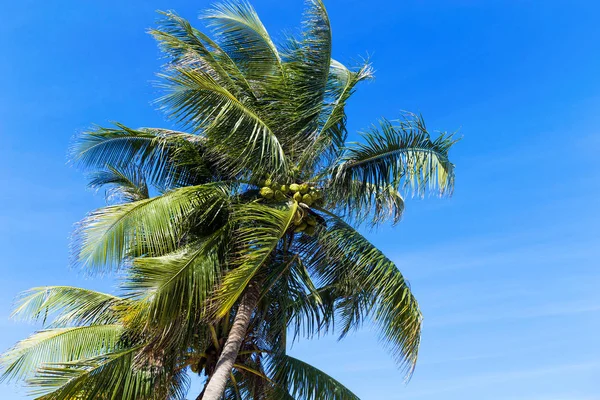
(506, 271)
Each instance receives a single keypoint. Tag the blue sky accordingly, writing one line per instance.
(506, 270)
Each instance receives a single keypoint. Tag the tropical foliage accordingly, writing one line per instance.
(237, 234)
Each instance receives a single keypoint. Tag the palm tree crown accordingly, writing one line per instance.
(238, 230)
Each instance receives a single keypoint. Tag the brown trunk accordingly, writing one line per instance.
(216, 385)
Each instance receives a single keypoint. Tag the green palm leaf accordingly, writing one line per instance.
(332, 132)
(307, 64)
(308, 382)
(234, 131)
(153, 150)
(189, 47)
(107, 377)
(124, 184)
(58, 345)
(367, 284)
(259, 229)
(241, 34)
(153, 226)
(401, 155)
(359, 201)
(177, 284)
(70, 305)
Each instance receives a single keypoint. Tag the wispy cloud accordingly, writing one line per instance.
(486, 380)
(490, 253)
(552, 310)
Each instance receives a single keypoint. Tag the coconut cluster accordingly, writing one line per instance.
(303, 193)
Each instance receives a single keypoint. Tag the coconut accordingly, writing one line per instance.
(304, 188)
(310, 230)
(301, 227)
(268, 182)
(284, 189)
(307, 199)
(310, 220)
(267, 192)
(279, 196)
(294, 187)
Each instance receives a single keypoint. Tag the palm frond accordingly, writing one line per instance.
(125, 184)
(259, 229)
(151, 227)
(106, 377)
(307, 64)
(58, 345)
(304, 313)
(307, 382)
(359, 202)
(70, 305)
(151, 149)
(241, 34)
(177, 285)
(188, 47)
(235, 132)
(367, 284)
(401, 155)
(117, 375)
(332, 132)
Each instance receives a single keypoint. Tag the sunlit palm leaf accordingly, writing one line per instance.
(107, 377)
(368, 284)
(125, 184)
(152, 150)
(57, 346)
(258, 231)
(332, 132)
(308, 382)
(359, 202)
(233, 129)
(177, 285)
(401, 155)
(307, 64)
(241, 34)
(70, 305)
(190, 48)
(153, 226)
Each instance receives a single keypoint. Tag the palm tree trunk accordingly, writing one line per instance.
(216, 385)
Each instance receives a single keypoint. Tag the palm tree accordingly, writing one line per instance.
(238, 230)
(99, 346)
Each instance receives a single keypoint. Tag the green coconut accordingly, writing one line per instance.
(301, 227)
(267, 192)
(304, 188)
(310, 220)
(284, 189)
(298, 197)
(294, 187)
(310, 230)
(307, 199)
(279, 196)
(268, 182)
